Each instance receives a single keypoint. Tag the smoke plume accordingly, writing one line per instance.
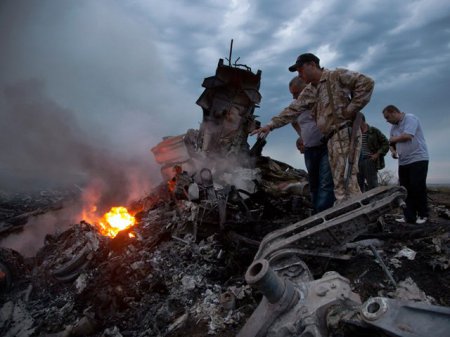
(42, 146)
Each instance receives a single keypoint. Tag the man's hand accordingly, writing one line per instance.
(394, 153)
(393, 149)
(300, 145)
(262, 132)
(374, 156)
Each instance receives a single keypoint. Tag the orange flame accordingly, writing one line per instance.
(116, 220)
(171, 184)
(111, 223)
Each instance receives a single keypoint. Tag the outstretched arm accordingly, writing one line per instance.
(289, 114)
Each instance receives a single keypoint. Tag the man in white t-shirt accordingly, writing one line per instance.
(407, 143)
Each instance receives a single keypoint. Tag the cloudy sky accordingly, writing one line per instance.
(108, 79)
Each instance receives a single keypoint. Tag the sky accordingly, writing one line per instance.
(89, 87)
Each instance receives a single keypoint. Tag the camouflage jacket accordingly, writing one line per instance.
(350, 92)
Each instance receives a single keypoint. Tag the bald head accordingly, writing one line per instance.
(296, 86)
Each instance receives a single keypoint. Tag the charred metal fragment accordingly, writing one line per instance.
(228, 104)
(279, 297)
(406, 318)
(70, 270)
(294, 308)
(316, 308)
(330, 229)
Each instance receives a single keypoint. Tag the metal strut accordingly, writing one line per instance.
(330, 229)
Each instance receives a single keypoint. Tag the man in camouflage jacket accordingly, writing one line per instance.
(335, 96)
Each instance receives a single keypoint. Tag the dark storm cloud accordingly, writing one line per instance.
(132, 71)
(405, 47)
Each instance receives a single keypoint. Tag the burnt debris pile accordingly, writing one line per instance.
(179, 271)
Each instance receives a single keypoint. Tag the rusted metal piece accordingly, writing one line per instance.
(406, 318)
(330, 229)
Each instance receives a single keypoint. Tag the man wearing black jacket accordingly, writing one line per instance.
(375, 145)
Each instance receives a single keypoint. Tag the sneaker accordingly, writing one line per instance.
(400, 220)
(421, 221)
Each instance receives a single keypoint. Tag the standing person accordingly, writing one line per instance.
(310, 141)
(316, 154)
(374, 147)
(336, 96)
(407, 143)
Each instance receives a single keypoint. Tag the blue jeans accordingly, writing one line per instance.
(320, 178)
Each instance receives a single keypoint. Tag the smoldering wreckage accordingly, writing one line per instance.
(229, 249)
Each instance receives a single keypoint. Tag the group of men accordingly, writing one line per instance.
(342, 152)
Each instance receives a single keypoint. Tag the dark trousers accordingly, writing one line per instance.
(414, 178)
(368, 174)
(320, 178)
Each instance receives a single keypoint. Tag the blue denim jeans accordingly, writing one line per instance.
(320, 178)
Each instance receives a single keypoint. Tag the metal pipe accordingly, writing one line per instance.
(262, 277)
(383, 266)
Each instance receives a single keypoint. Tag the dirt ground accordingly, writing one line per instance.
(439, 195)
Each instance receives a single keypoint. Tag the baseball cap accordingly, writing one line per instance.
(302, 59)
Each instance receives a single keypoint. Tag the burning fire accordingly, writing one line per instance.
(111, 223)
(116, 220)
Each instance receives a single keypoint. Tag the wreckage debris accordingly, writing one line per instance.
(165, 281)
